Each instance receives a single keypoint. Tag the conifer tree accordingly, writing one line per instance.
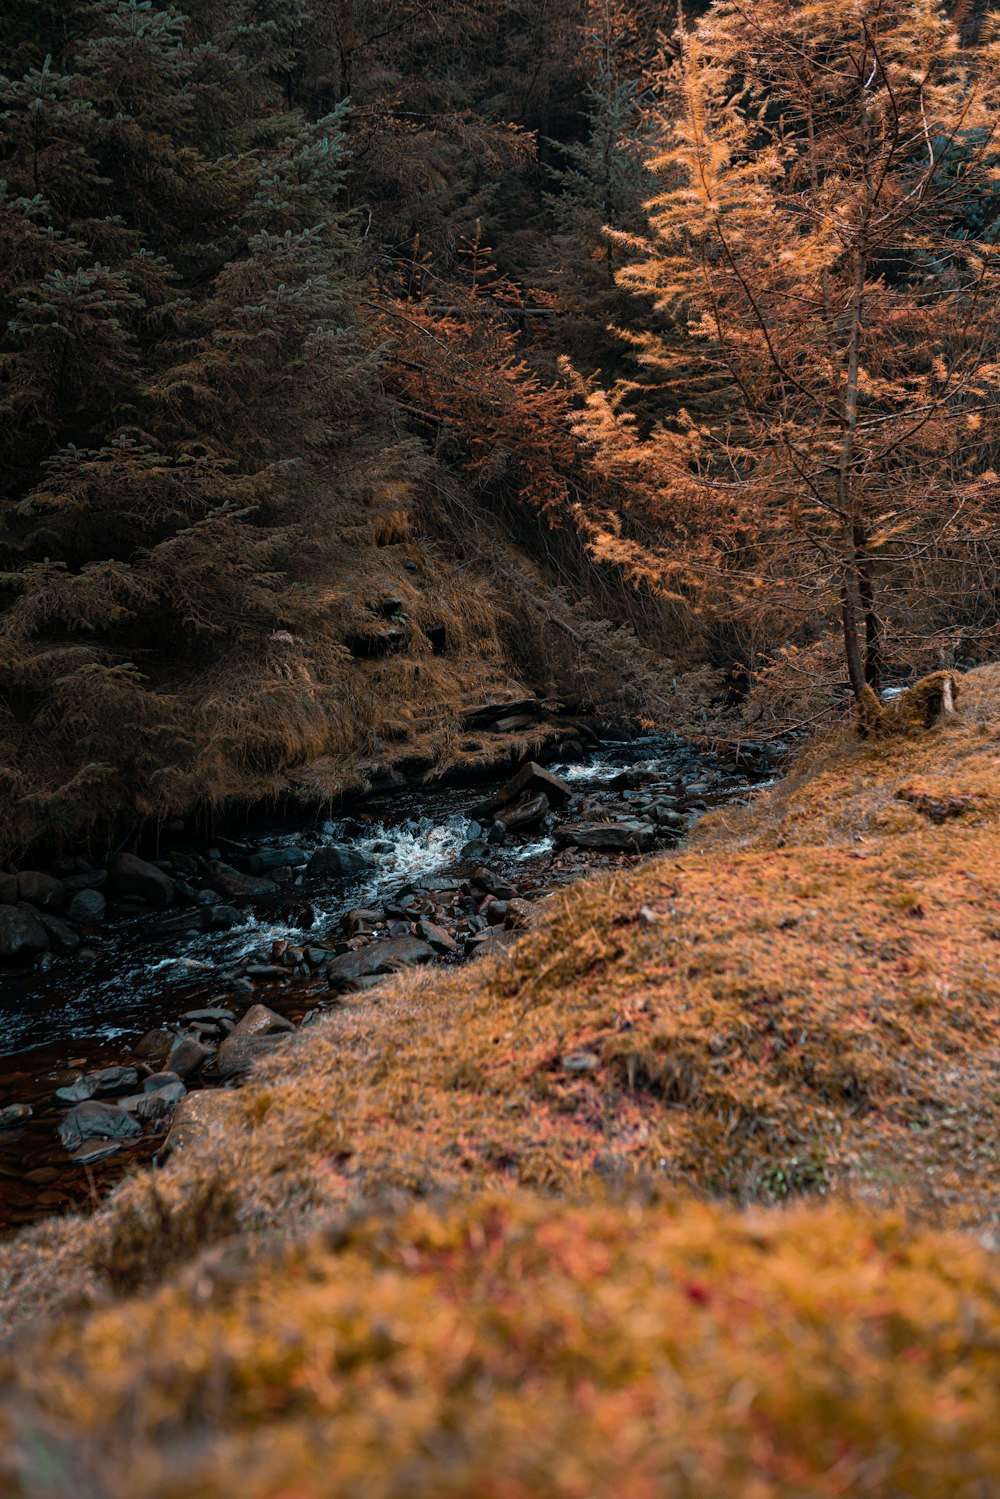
(829, 378)
(181, 365)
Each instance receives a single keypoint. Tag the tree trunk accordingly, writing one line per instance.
(856, 583)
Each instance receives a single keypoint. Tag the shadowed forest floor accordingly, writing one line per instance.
(454, 1239)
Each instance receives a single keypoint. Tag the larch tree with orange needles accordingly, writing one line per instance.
(823, 264)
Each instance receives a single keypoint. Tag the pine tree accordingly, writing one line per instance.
(182, 367)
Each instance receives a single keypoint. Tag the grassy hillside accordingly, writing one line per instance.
(804, 1001)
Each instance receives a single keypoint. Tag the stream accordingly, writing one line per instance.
(425, 855)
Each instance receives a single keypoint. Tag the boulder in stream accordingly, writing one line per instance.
(260, 1021)
(187, 1057)
(525, 814)
(93, 1120)
(378, 958)
(258, 1034)
(155, 1047)
(15, 1114)
(41, 890)
(86, 906)
(337, 863)
(62, 937)
(105, 1083)
(628, 836)
(197, 1117)
(237, 886)
(21, 932)
(532, 779)
(131, 876)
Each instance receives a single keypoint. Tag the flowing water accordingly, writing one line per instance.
(88, 1009)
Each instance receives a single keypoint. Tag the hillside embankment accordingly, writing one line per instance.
(453, 1239)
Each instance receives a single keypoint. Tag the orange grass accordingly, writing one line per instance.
(803, 1000)
(507, 1347)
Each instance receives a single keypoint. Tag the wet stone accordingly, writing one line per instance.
(15, 1114)
(518, 915)
(163, 1101)
(62, 937)
(339, 863)
(267, 860)
(214, 1014)
(437, 937)
(234, 885)
(86, 906)
(494, 884)
(22, 934)
(104, 1083)
(188, 1057)
(628, 836)
(134, 878)
(260, 1021)
(155, 1046)
(239, 1054)
(41, 890)
(379, 958)
(93, 1120)
(89, 1155)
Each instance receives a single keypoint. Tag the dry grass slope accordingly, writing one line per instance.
(806, 999)
(510, 1347)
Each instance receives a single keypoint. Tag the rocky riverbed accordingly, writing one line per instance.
(128, 990)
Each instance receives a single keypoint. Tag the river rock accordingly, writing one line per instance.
(531, 779)
(131, 876)
(85, 879)
(104, 1083)
(155, 1046)
(220, 918)
(518, 915)
(176, 924)
(526, 813)
(21, 932)
(436, 935)
(214, 1015)
(378, 958)
(260, 1021)
(267, 859)
(161, 1102)
(197, 1117)
(629, 836)
(86, 906)
(157, 1080)
(258, 1034)
(62, 937)
(97, 1150)
(93, 1120)
(336, 863)
(41, 890)
(494, 884)
(362, 921)
(491, 943)
(238, 886)
(188, 1057)
(15, 1114)
(239, 1054)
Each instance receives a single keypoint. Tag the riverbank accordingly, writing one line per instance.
(803, 1001)
(269, 927)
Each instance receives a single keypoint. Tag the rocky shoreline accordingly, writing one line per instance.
(539, 829)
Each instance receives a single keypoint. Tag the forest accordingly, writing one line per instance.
(499, 827)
